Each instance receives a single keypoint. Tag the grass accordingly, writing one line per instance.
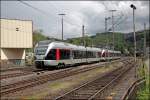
(144, 92)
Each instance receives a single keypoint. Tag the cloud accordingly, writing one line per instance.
(89, 13)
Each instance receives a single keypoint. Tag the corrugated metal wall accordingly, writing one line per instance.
(16, 34)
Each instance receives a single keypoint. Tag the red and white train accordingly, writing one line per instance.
(60, 54)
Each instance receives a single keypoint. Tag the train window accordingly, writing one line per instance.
(84, 54)
(41, 50)
(51, 55)
(81, 54)
(64, 54)
(90, 54)
(99, 54)
(78, 54)
(75, 53)
(94, 54)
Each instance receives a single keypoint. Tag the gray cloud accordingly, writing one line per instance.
(89, 13)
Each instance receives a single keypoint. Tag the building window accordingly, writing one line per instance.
(17, 29)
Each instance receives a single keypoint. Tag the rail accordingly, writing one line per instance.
(43, 79)
(95, 86)
(132, 87)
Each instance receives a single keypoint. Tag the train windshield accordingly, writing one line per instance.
(41, 50)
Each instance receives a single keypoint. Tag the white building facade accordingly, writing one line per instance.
(15, 37)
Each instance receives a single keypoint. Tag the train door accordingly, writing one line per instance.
(71, 57)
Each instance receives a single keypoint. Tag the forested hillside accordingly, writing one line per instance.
(101, 40)
(123, 41)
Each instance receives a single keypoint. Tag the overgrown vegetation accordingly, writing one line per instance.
(144, 92)
(38, 36)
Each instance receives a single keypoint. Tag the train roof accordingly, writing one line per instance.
(64, 45)
(45, 42)
(117, 52)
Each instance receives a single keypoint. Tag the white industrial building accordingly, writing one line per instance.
(15, 37)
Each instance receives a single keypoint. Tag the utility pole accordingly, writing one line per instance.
(62, 24)
(83, 35)
(106, 19)
(107, 40)
(144, 40)
(132, 6)
(113, 28)
(105, 24)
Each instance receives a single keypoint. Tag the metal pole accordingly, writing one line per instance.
(106, 29)
(134, 37)
(106, 32)
(105, 25)
(83, 35)
(133, 7)
(62, 28)
(144, 40)
(62, 24)
(113, 29)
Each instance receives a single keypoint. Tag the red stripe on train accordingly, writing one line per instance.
(57, 54)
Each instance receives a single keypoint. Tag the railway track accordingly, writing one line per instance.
(16, 72)
(131, 89)
(119, 87)
(11, 88)
(24, 71)
(14, 75)
(18, 69)
(96, 87)
(21, 73)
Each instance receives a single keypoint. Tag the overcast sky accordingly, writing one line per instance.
(89, 13)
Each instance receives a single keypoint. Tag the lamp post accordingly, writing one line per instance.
(133, 7)
(62, 23)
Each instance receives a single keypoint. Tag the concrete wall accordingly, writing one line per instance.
(13, 53)
(15, 33)
(12, 57)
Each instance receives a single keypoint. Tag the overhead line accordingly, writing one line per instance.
(119, 22)
(43, 12)
(39, 10)
(67, 18)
